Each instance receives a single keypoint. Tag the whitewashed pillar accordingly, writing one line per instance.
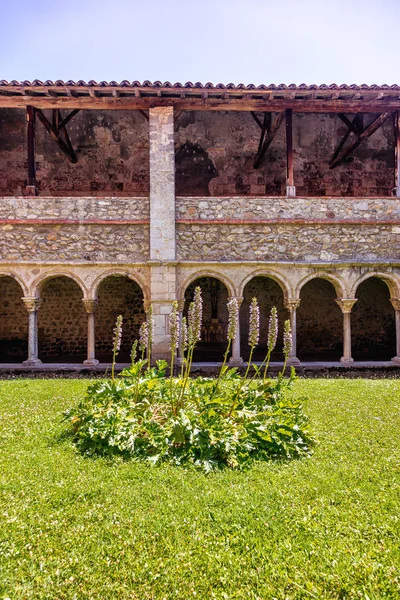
(236, 360)
(32, 306)
(396, 305)
(90, 307)
(292, 305)
(346, 304)
(162, 225)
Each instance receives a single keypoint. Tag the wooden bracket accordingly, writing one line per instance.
(355, 127)
(269, 129)
(58, 127)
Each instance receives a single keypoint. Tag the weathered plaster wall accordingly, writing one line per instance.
(112, 148)
(286, 242)
(215, 152)
(13, 322)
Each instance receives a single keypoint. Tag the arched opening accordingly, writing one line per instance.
(268, 293)
(62, 322)
(118, 295)
(13, 322)
(213, 342)
(373, 322)
(319, 322)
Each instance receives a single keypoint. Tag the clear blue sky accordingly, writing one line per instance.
(249, 41)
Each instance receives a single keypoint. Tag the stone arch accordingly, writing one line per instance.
(117, 294)
(13, 320)
(206, 273)
(23, 285)
(94, 288)
(392, 282)
(283, 283)
(319, 320)
(373, 326)
(335, 280)
(215, 295)
(62, 319)
(269, 292)
(38, 284)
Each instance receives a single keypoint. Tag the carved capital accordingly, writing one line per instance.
(395, 303)
(89, 304)
(181, 305)
(239, 299)
(292, 304)
(32, 304)
(346, 304)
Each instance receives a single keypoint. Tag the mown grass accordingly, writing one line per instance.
(328, 527)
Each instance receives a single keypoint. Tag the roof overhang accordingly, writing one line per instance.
(142, 96)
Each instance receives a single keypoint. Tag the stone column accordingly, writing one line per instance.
(162, 225)
(396, 305)
(32, 306)
(90, 307)
(346, 304)
(236, 360)
(292, 305)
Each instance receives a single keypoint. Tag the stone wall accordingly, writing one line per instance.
(372, 318)
(215, 153)
(13, 322)
(268, 294)
(112, 149)
(70, 243)
(319, 322)
(288, 242)
(249, 207)
(62, 320)
(118, 296)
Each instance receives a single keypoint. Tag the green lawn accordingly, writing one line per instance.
(327, 527)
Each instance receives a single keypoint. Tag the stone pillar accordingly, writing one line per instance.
(292, 305)
(236, 360)
(162, 225)
(346, 304)
(90, 307)
(396, 305)
(32, 306)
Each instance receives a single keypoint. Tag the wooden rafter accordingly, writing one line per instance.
(57, 128)
(269, 129)
(356, 127)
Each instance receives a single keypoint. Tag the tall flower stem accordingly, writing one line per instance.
(116, 343)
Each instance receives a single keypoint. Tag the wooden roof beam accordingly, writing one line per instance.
(341, 156)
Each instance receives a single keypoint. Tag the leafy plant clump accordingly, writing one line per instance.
(230, 421)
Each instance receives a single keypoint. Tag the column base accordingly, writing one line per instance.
(235, 362)
(396, 360)
(290, 191)
(396, 194)
(90, 362)
(32, 362)
(293, 361)
(31, 190)
(346, 361)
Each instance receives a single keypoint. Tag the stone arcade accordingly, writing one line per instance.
(115, 196)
